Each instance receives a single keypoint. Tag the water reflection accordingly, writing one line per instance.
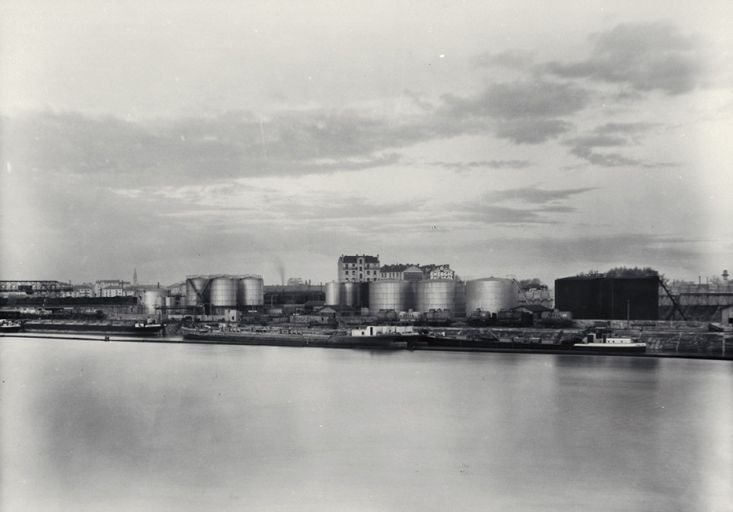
(114, 426)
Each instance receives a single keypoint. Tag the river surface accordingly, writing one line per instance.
(120, 426)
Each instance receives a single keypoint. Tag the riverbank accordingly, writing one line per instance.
(654, 352)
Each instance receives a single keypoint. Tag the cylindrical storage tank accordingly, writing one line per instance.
(223, 292)
(350, 295)
(390, 294)
(197, 293)
(438, 294)
(333, 293)
(460, 298)
(251, 291)
(364, 294)
(153, 300)
(490, 294)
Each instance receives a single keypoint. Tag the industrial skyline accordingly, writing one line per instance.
(522, 138)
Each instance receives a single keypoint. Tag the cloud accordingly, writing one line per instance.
(481, 164)
(419, 100)
(512, 59)
(190, 149)
(624, 128)
(603, 159)
(599, 140)
(610, 135)
(237, 203)
(526, 205)
(642, 56)
(323, 166)
(531, 131)
(502, 215)
(288, 143)
(525, 111)
(527, 99)
(532, 195)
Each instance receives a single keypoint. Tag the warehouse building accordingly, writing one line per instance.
(608, 298)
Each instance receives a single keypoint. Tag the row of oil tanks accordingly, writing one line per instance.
(456, 298)
(225, 291)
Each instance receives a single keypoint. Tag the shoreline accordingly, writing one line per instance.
(179, 340)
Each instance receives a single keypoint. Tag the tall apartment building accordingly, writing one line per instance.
(358, 268)
(80, 290)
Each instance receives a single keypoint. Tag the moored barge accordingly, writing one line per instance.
(377, 337)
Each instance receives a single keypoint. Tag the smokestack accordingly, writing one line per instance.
(280, 267)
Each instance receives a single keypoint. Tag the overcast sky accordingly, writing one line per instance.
(505, 138)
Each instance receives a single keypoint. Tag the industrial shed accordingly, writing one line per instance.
(608, 298)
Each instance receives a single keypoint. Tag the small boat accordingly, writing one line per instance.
(10, 326)
(605, 344)
(147, 328)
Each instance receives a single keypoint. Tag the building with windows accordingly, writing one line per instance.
(38, 288)
(397, 271)
(117, 291)
(106, 283)
(81, 290)
(358, 268)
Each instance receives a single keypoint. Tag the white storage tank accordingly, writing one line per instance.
(390, 294)
(154, 299)
(350, 295)
(441, 294)
(223, 292)
(491, 294)
(251, 291)
(333, 293)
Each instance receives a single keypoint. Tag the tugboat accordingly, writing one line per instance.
(602, 343)
(147, 328)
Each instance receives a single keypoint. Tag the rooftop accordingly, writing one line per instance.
(397, 267)
(588, 277)
(354, 258)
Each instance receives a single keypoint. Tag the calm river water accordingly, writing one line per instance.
(92, 426)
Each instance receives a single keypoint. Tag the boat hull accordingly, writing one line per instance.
(298, 339)
(144, 330)
(610, 348)
(519, 346)
(451, 342)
